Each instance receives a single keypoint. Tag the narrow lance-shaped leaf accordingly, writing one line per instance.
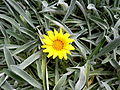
(3, 78)
(8, 57)
(29, 60)
(14, 23)
(60, 82)
(116, 3)
(83, 49)
(97, 48)
(106, 86)
(13, 75)
(79, 4)
(9, 46)
(110, 13)
(100, 73)
(39, 70)
(23, 47)
(70, 9)
(17, 36)
(117, 24)
(99, 22)
(58, 22)
(109, 47)
(71, 83)
(115, 64)
(24, 75)
(27, 32)
(20, 11)
(82, 79)
(3, 30)
(7, 86)
(10, 20)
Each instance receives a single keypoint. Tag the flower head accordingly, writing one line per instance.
(57, 44)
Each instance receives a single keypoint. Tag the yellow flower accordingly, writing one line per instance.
(57, 44)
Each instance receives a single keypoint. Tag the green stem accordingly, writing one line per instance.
(87, 71)
(91, 58)
(44, 71)
(56, 71)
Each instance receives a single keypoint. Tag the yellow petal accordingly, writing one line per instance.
(51, 35)
(55, 32)
(61, 31)
(45, 36)
(60, 34)
(66, 35)
(55, 54)
(43, 46)
(48, 49)
(45, 50)
(68, 52)
(69, 47)
(60, 37)
(65, 56)
(64, 52)
(60, 55)
(47, 41)
(50, 54)
(70, 40)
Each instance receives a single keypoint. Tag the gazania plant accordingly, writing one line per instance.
(59, 45)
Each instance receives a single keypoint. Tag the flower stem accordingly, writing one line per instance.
(56, 71)
(44, 71)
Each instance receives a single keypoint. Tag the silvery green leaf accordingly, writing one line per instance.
(82, 79)
(24, 75)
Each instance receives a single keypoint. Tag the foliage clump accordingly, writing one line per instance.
(94, 26)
